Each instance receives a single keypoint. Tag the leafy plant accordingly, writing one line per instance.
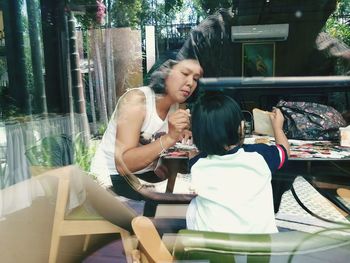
(60, 150)
(126, 13)
(102, 128)
(52, 151)
(338, 25)
(3, 181)
(83, 152)
(338, 29)
(95, 12)
(207, 7)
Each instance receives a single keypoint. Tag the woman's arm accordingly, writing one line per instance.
(129, 155)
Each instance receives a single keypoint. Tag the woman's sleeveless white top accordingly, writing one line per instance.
(153, 127)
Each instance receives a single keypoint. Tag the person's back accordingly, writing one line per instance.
(233, 182)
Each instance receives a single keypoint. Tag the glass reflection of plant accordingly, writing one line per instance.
(60, 150)
(94, 13)
(3, 180)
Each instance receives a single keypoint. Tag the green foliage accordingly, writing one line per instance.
(338, 30)
(86, 21)
(51, 151)
(146, 13)
(60, 150)
(338, 25)
(126, 13)
(171, 5)
(195, 12)
(343, 7)
(3, 66)
(8, 110)
(133, 13)
(207, 7)
(92, 16)
(83, 152)
(3, 181)
(101, 128)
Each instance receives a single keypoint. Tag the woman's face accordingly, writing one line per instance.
(183, 80)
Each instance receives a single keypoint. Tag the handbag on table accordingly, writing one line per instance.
(310, 121)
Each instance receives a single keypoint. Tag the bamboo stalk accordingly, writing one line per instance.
(99, 75)
(109, 72)
(91, 90)
(77, 83)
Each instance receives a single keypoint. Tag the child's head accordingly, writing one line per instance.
(216, 124)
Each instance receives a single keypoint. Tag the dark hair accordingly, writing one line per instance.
(158, 77)
(216, 119)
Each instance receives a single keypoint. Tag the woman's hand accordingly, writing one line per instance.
(179, 124)
(186, 137)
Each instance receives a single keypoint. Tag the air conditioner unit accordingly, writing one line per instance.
(272, 32)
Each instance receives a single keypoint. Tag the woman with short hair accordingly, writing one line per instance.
(147, 121)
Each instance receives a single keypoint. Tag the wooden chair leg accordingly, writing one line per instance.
(149, 240)
(55, 242)
(136, 256)
(128, 245)
(86, 242)
(62, 197)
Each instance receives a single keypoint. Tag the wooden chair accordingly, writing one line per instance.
(151, 247)
(344, 193)
(202, 246)
(82, 222)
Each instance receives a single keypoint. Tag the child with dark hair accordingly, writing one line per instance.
(233, 181)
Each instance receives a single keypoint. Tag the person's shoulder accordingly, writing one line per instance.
(201, 159)
(135, 95)
(257, 147)
(133, 100)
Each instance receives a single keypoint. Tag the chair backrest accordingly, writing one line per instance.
(284, 246)
(217, 247)
(29, 209)
(77, 188)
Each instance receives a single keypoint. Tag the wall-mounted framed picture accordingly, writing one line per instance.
(258, 59)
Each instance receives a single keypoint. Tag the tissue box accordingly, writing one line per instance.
(345, 136)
